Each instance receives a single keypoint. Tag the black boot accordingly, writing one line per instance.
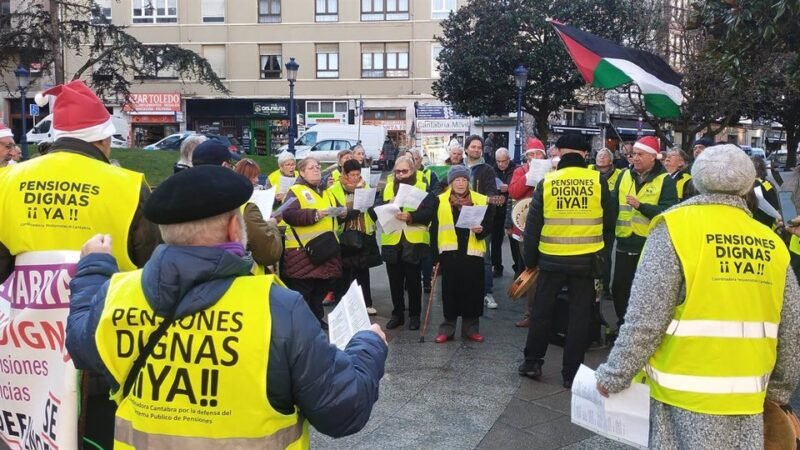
(395, 322)
(413, 323)
(530, 369)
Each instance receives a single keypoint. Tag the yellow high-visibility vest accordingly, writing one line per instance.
(612, 179)
(448, 241)
(309, 199)
(415, 234)
(573, 212)
(631, 221)
(720, 349)
(339, 198)
(60, 200)
(275, 178)
(189, 392)
(794, 245)
(680, 184)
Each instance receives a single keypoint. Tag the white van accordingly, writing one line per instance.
(324, 141)
(42, 132)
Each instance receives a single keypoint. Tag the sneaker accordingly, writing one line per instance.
(488, 300)
(329, 300)
(523, 323)
(372, 311)
(530, 369)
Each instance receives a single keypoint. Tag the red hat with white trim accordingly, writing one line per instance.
(77, 112)
(534, 145)
(649, 144)
(5, 131)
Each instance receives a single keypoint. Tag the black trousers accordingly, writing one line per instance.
(581, 300)
(348, 276)
(498, 236)
(405, 277)
(314, 291)
(624, 271)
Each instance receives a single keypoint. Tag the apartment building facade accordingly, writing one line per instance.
(367, 61)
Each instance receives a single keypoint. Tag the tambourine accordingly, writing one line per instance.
(520, 213)
(523, 282)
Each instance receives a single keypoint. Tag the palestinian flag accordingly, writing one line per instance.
(607, 65)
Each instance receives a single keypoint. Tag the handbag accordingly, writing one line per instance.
(781, 427)
(600, 265)
(352, 239)
(321, 248)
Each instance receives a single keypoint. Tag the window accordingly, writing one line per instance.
(440, 9)
(153, 68)
(270, 62)
(326, 107)
(155, 11)
(269, 11)
(327, 10)
(215, 54)
(327, 60)
(5, 7)
(385, 114)
(104, 10)
(384, 60)
(384, 10)
(213, 11)
(435, 50)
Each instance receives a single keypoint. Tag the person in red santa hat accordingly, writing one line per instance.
(7, 145)
(51, 205)
(643, 192)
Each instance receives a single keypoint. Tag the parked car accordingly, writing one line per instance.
(232, 143)
(326, 151)
(777, 160)
(42, 132)
(755, 151)
(171, 142)
(371, 138)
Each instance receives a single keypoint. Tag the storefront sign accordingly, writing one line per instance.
(443, 126)
(431, 112)
(390, 125)
(584, 131)
(153, 119)
(316, 118)
(153, 103)
(271, 109)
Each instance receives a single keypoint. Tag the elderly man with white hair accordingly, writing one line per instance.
(7, 145)
(504, 169)
(187, 149)
(714, 316)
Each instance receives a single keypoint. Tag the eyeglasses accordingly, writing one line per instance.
(402, 171)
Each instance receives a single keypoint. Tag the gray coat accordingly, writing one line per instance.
(658, 289)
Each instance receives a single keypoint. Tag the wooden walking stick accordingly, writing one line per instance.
(430, 302)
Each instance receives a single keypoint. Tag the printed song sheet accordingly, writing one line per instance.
(364, 198)
(386, 217)
(349, 317)
(409, 197)
(285, 184)
(365, 174)
(623, 417)
(374, 179)
(536, 172)
(264, 200)
(278, 212)
(471, 216)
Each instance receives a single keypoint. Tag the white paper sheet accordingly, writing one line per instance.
(264, 200)
(348, 318)
(764, 205)
(283, 207)
(365, 174)
(537, 170)
(364, 198)
(499, 183)
(285, 184)
(374, 179)
(470, 216)
(623, 417)
(386, 217)
(409, 197)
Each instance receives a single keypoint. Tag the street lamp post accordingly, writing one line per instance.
(23, 78)
(291, 75)
(521, 79)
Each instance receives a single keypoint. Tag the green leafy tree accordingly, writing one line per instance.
(112, 58)
(484, 41)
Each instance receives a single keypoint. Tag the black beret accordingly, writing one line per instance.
(574, 142)
(197, 193)
(704, 141)
(210, 152)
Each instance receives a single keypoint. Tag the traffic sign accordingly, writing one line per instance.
(34, 110)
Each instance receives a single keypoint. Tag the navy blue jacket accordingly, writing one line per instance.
(335, 390)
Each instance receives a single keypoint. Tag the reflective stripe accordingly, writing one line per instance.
(640, 220)
(571, 240)
(125, 433)
(447, 228)
(723, 329)
(623, 223)
(625, 207)
(448, 248)
(709, 385)
(597, 221)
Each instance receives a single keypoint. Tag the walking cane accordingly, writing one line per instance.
(430, 302)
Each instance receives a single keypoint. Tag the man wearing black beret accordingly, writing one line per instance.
(237, 357)
(570, 222)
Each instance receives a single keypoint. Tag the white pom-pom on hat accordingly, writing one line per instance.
(41, 100)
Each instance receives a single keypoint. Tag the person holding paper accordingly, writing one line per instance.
(504, 168)
(269, 369)
(404, 249)
(249, 169)
(360, 155)
(264, 239)
(605, 165)
(569, 223)
(356, 235)
(286, 169)
(768, 193)
(460, 253)
(714, 316)
(334, 172)
(433, 184)
(309, 218)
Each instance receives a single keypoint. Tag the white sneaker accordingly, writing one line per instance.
(488, 300)
(372, 311)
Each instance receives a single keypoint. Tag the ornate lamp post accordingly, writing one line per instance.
(23, 80)
(291, 75)
(521, 79)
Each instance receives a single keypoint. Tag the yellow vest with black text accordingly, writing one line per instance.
(721, 346)
(573, 212)
(415, 234)
(204, 386)
(612, 179)
(339, 198)
(309, 199)
(60, 200)
(631, 221)
(275, 178)
(680, 183)
(447, 239)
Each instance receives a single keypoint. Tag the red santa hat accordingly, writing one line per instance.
(534, 145)
(77, 112)
(649, 144)
(5, 131)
